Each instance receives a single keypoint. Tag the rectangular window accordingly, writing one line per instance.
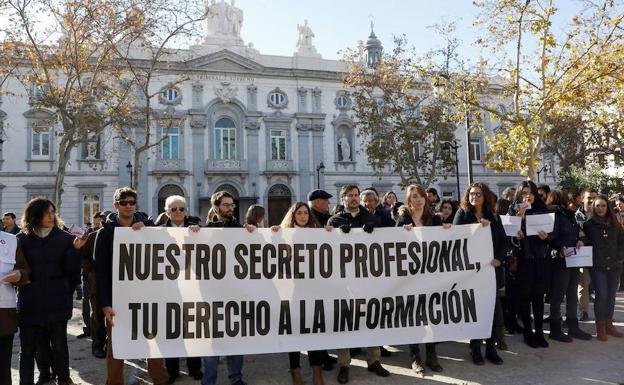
(90, 206)
(225, 143)
(40, 143)
(171, 143)
(475, 149)
(418, 151)
(278, 145)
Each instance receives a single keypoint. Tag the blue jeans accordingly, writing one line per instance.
(234, 364)
(605, 284)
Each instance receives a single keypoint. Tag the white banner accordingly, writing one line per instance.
(226, 291)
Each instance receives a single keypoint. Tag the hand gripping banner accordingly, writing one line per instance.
(227, 291)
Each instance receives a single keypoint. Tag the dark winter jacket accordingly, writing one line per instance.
(383, 216)
(54, 273)
(607, 241)
(499, 238)
(15, 230)
(188, 221)
(104, 256)
(221, 223)
(362, 218)
(321, 218)
(531, 247)
(406, 219)
(566, 233)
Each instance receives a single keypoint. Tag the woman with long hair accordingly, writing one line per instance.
(532, 268)
(446, 210)
(300, 215)
(256, 216)
(46, 303)
(477, 206)
(565, 238)
(606, 236)
(416, 212)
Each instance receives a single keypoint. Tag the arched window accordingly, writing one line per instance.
(225, 139)
(279, 198)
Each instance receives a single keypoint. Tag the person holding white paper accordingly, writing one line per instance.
(606, 237)
(531, 264)
(565, 238)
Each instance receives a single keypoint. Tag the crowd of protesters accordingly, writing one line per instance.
(42, 264)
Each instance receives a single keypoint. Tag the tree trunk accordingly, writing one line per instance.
(65, 147)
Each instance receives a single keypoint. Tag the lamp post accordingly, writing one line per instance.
(319, 168)
(439, 88)
(129, 168)
(543, 169)
(454, 146)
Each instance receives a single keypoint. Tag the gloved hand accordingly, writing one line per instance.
(345, 228)
(368, 227)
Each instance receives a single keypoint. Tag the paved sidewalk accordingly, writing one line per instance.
(578, 363)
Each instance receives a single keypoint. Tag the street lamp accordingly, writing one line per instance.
(319, 168)
(439, 88)
(129, 168)
(454, 146)
(544, 170)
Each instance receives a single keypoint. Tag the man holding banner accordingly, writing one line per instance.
(125, 202)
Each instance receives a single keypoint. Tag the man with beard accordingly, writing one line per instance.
(223, 204)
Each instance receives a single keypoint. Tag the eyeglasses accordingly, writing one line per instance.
(180, 209)
(476, 194)
(228, 205)
(126, 203)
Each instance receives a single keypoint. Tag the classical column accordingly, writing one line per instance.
(198, 129)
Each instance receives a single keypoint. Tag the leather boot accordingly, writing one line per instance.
(492, 355)
(500, 338)
(317, 375)
(611, 330)
(556, 333)
(575, 331)
(475, 351)
(601, 330)
(432, 362)
(297, 379)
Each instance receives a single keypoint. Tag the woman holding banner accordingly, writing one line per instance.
(606, 237)
(532, 267)
(415, 213)
(300, 216)
(566, 236)
(477, 206)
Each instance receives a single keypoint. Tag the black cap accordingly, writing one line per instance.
(318, 194)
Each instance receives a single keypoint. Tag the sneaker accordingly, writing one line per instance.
(417, 365)
(378, 369)
(343, 375)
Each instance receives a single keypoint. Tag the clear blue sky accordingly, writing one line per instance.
(272, 24)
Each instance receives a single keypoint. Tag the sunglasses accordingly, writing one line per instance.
(180, 209)
(126, 203)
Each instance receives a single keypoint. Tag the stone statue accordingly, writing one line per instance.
(305, 35)
(224, 19)
(345, 149)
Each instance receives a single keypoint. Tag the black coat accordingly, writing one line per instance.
(362, 218)
(54, 273)
(531, 247)
(406, 219)
(383, 216)
(218, 223)
(566, 233)
(321, 218)
(607, 242)
(104, 256)
(188, 221)
(499, 238)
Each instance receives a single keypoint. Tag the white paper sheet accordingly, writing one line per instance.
(582, 257)
(540, 222)
(512, 224)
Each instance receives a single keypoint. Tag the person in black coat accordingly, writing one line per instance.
(177, 216)
(355, 215)
(318, 200)
(446, 210)
(477, 206)
(370, 200)
(565, 238)
(45, 305)
(606, 237)
(416, 212)
(532, 268)
(125, 202)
